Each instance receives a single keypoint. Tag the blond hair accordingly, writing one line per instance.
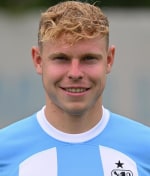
(76, 20)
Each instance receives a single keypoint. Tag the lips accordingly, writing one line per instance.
(75, 90)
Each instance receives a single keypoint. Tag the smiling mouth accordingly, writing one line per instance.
(76, 90)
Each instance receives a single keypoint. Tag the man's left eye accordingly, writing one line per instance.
(90, 59)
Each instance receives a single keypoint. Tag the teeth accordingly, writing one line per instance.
(75, 90)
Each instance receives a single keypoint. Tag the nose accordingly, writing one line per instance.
(75, 72)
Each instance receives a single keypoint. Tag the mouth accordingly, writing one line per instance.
(75, 90)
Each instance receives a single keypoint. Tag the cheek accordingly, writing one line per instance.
(53, 73)
(98, 77)
(97, 72)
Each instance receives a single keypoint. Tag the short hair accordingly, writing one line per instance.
(76, 20)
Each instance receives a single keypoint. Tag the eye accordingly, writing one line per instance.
(60, 59)
(90, 59)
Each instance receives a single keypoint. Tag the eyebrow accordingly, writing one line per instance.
(57, 54)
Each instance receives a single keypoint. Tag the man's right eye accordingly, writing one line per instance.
(60, 59)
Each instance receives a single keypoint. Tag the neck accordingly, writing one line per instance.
(73, 124)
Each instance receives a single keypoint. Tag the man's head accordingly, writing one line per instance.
(74, 20)
(75, 58)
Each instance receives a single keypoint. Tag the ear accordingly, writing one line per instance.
(37, 60)
(110, 58)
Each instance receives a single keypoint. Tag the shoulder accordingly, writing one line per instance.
(134, 137)
(127, 122)
(129, 129)
(17, 129)
(14, 137)
(19, 123)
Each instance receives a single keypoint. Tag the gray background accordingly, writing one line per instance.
(128, 86)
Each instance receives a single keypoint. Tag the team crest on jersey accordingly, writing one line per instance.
(119, 171)
(116, 163)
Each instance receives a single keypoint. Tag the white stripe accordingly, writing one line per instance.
(40, 164)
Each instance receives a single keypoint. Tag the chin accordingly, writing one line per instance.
(76, 112)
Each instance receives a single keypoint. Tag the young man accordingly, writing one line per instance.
(73, 134)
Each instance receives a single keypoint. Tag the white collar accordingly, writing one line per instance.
(72, 138)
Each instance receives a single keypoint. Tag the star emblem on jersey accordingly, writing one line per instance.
(120, 171)
(119, 164)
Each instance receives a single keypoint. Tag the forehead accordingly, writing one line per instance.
(84, 45)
